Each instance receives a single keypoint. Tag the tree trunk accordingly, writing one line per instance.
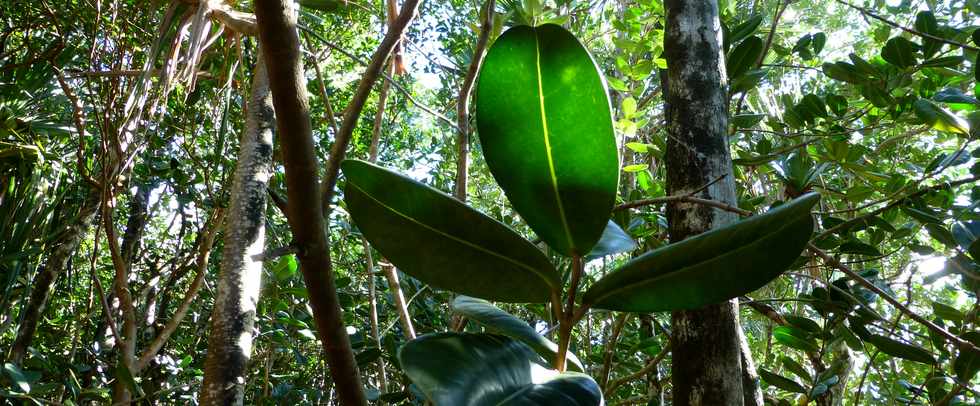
(58, 259)
(135, 224)
(280, 43)
(706, 360)
(233, 316)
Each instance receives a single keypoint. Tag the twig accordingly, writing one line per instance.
(871, 14)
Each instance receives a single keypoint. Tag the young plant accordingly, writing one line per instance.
(545, 125)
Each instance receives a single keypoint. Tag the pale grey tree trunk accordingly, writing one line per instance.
(706, 353)
(751, 390)
(59, 256)
(233, 316)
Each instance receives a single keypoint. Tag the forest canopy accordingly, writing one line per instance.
(482, 202)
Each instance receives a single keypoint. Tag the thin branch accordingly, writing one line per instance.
(871, 14)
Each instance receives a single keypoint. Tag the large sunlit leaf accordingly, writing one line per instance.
(484, 369)
(710, 267)
(547, 134)
(442, 242)
(495, 320)
(940, 118)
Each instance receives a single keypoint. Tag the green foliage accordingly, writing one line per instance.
(443, 242)
(540, 103)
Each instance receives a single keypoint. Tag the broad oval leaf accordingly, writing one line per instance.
(541, 101)
(500, 322)
(901, 350)
(940, 118)
(967, 363)
(795, 338)
(900, 52)
(711, 267)
(484, 369)
(442, 242)
(614, 240)
(746, 28)
(780, 381)
(744, 56)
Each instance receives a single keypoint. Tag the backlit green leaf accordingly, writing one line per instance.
(541, 102)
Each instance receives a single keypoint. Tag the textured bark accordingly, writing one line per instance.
(233, 316)
(706, 354)
(59, 256)
(751, 390)
(280, 44)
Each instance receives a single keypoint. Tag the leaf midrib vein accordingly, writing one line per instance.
(451, 237)
(547, 145)
(658, 278)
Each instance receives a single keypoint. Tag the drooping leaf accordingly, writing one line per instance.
(747, 120)
(901, 350)
(323, 5)
(17, 376)
(744, 56)
(500, 322)
(967, 363)
(859, 248)
(541, 102)
(795, 367)
(780, 381)
(442, 242)
(484, 369)
(925, 22)
(710, 267)
(940, 118)
(844, 72)
(614, 240)
(795, 338)
(900, 52)
(743, 30)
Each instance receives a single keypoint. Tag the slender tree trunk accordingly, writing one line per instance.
(135, 224)
(59, 257)
(307, 199)
(233, 316)
(706, 361)
(751, 390)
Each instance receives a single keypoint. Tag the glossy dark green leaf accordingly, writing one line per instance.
(743, 30)
(947, 312)
(859, 248)
(323, 5)
(710, 267)
(804, 323)
(967, 363)
(614, 240)
(442, 242)
(541, 102)
(925, 22)
(940, 118)
(791, 365)
(17, 376)
(901, 350)
(747, 120)
(795, 338)
(819, 40)
(484, 369)
(495, 320)
(943, 62)
(900, 52)
(748, 81)
(843, 72)
(780, 381)
(743, 56)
